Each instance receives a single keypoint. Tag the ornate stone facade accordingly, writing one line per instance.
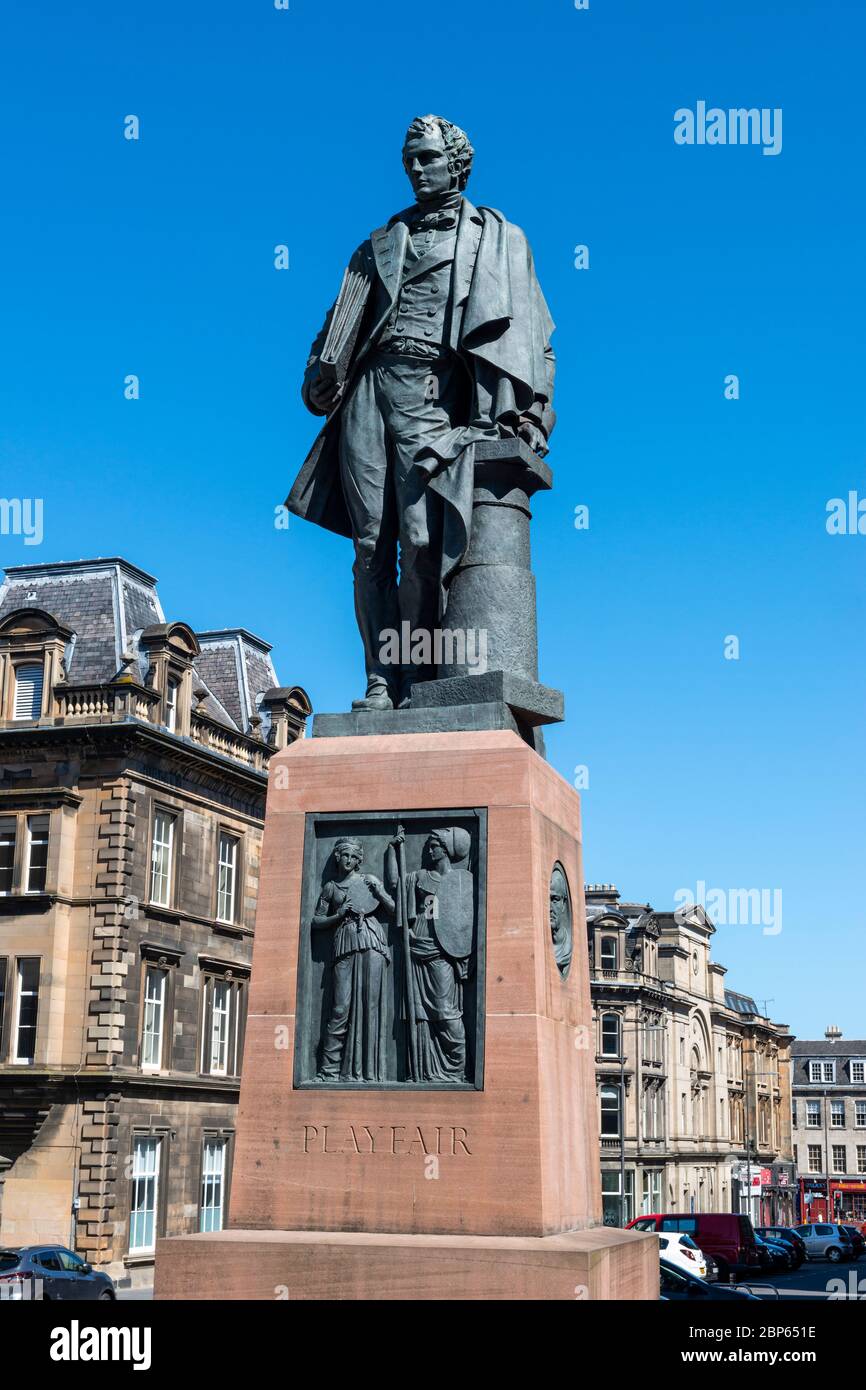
(694, 1081)
(134, 768)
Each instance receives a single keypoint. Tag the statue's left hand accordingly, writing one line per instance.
(534, 437)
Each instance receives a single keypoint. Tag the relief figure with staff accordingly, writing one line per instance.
(437, 906)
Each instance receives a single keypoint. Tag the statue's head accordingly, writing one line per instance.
(437, 157)
(452, 843)
(558, 903)
(348, 854)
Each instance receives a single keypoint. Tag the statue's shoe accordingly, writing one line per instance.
(377, 699)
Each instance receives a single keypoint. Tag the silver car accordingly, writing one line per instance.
(825, 1240)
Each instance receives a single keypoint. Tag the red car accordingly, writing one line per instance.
(729, 1238)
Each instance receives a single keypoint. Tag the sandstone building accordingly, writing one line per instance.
(694, 1083)
(829, 1099)
(133, 770)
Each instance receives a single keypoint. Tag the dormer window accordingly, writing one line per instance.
(28, 691)
(170, 649)
(32, 649)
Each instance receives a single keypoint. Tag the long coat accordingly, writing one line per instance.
(500, 325)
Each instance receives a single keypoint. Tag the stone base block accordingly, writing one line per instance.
(437, 719)
(529, 701)
(601, 1263)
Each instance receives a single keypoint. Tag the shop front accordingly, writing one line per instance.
(840, 1200)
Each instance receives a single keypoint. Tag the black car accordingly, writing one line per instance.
(783, 1234)
(675, 1284)
(775, 1255)
(857, 1241)
(52, 1272)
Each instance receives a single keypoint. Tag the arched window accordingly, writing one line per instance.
(610, 1035)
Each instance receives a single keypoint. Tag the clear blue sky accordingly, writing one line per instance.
(707, 516)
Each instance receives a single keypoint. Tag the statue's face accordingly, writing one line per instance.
(426, 163)
(436, 850)
(557, 906)
(348, 859)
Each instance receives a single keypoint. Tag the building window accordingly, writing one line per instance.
(171, 706)
(813, 1114)
(28, 692)
(837, 1114)
(860, 1114)
(858, 1073)
(861, 1158)
(839, 1159)
(608, 952)
(145, 1194)
(651, 1195)
(153, 1019)
(815, 1164)
(36, 866)
(794, 1113)
(162, 858)
(822, 1071)
(610, 1034)
(796, 1152)
(213, 1178)
(227, 877)
(615, 1212)
(610, 1112)
(222, 1025)
(652, 1110)
(26, 1010)
(3, 969)
(7, 854)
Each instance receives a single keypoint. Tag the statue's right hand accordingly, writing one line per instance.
(324, 393)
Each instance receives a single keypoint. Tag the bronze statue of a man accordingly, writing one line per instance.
(439, 338)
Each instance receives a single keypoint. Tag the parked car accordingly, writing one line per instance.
(789, 1236)
(774, 1255)
(680, 1250)
(729, 1238)
(675, 1283)
(857, 1241)
(825, 1240)
(63, 1274)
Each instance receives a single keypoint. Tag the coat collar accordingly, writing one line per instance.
(389, 252)
(389, 244)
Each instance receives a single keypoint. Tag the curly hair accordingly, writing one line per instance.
(457, 147)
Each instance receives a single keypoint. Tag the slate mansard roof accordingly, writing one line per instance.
(842, 1051)
(845, 1047)
(108, 603)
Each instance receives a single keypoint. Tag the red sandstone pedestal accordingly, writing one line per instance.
(410, 1192)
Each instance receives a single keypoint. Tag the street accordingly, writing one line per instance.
(815, 1279)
